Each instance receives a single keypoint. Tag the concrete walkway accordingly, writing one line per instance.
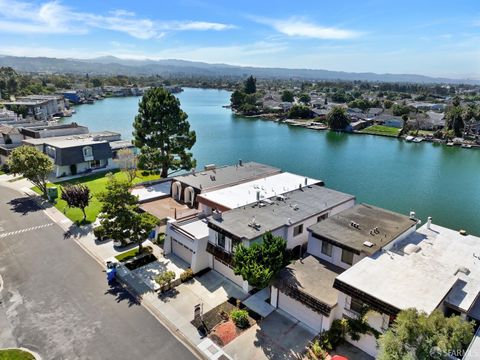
(258, 303)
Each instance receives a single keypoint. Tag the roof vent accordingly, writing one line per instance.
(411, 249)
(463, 270)
(368, 244)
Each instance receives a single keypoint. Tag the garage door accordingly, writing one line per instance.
(181, 251)
(227, 272)
(299, 311)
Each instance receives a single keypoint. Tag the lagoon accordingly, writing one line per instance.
(430, 179)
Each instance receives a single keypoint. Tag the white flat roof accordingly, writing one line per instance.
(425, 278)
(199, 228)
(150, 192)
(243, 194)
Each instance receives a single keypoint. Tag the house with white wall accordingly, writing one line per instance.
(432, 268)
(287, 215)
(190, 245)
(305, 289)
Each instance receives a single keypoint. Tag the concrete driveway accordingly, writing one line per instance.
(278, 336)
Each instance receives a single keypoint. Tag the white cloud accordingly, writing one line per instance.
(52, 17)
(303, 28)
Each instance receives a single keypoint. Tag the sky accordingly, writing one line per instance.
(435, 38)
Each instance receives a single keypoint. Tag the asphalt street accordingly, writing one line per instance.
(56, 300)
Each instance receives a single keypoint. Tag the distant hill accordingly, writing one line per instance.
(110, 65)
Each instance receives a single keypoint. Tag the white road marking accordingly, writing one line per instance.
(21, 231)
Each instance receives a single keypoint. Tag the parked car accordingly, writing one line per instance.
(120, 243)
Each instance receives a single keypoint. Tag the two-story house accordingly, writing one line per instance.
(305, 289)
(287, 215)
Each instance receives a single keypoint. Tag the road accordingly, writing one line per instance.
(56, 300)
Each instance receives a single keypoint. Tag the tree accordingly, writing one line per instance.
(259, 263)
(31, 164)
(304, 98)
(300, 112)
(454, 120)
(414, 335)
(162, 130)
(337, 118)
(121, 216)
(399, 110)
(77, 196)
(287, 96)
(127, 162)
(237, 99)
(250, 85)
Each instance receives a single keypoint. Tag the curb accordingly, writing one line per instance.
(34, 354)
(150, 308)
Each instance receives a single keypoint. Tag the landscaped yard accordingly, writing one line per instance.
(96, 183)
(15, 354)
(381, 130)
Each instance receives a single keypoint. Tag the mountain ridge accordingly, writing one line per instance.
(111, 65)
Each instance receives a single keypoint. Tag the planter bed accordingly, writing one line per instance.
(140, 261)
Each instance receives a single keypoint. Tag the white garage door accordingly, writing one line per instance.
(227, 272)
(181, 251)
(299, 311)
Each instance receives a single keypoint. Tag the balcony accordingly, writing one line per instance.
(220, 253)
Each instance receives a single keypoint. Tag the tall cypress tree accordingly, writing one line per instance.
(162, 133)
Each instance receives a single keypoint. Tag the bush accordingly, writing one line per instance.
(99, 232)
(186, 275)
(165, 278)
(240, 318)
(5, 168)
(318, 351)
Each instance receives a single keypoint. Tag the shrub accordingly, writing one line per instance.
(240, 318)
(186, 275)
(318, 351)
(99, 232)
(165, 278)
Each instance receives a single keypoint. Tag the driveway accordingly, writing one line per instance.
(278, 336)
(56, 300)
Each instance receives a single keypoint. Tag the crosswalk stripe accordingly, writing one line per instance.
(21, 231)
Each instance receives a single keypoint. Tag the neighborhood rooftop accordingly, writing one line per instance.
(252, 191)
(426, 268)
(311, 277)
(362, 228)
(74, 140)
(275, 212)
(226, 176)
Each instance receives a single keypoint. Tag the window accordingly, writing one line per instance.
(347, 257)
(297, 230)
(87, 151)
(50, 150)
(326, 248)
(221, 240)
(322, 217)
(356, 305)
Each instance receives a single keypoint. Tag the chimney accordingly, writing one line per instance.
(429, 222)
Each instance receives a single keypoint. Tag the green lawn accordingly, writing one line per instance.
(15, 354)
(127, 255)
(381, 130)
(96, 183)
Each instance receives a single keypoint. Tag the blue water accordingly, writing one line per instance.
(433, 180)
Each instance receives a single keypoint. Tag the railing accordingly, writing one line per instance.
(351, 313)
(220, 253)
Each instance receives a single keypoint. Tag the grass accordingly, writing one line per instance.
(96, 183)
(127, 255)
(15, 354)
(381, 130)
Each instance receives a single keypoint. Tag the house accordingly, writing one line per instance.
(431, 120)
(73, 96)
(360, 124)
(40, 107)
(373, 112)
(10, 135)
(188, 239)
(45, 131)
(186, 187)
(305, 289)
(287, 215)
(432, 268)
(77, 154)
(472, 131)
(389, 120)
(8, 115)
